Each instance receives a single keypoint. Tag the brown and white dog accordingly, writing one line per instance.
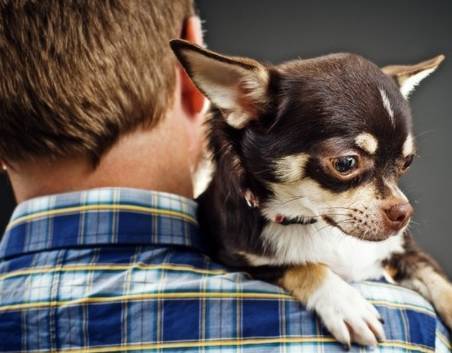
(307, 158)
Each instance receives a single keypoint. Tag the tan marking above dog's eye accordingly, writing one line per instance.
(367, 142)
(408, 146)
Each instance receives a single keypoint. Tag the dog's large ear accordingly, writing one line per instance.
(237, 86)
(409, 76)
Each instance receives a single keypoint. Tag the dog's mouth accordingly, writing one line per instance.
(302, 220)
(358, 234)
(307, 220)
(333, 223)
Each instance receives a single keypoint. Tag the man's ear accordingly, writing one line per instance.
(237, 86)
(193, 101)
(408, 77)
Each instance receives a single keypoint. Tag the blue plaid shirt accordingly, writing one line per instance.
(123, 270)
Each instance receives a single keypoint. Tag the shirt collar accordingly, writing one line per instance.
(98, 217)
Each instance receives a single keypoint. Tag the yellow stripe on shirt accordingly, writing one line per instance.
(100, 208)
(243, 342)
(110, 267)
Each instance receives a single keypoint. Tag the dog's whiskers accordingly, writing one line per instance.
(337, 223)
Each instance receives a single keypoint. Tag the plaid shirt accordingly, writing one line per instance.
(123, 270)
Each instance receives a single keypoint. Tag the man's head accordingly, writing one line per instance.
(318, 140)
(79, 76)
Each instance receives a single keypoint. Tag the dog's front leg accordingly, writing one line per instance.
(342, 309)
(416, 270)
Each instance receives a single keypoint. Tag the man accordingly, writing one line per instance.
(100, 131)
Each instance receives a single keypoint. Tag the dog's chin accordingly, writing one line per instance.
(365, 235)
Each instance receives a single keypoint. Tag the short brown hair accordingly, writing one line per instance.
(76, 74)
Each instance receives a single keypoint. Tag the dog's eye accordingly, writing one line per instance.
(408, 161)
(345, 165)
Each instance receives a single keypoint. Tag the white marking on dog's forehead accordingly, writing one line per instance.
(367, 142)
(290, 168)
(408, 146)
(387, 105)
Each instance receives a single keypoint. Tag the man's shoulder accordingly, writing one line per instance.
(178, 271)
(169, 296)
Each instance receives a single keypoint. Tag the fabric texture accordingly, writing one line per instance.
(124, 270)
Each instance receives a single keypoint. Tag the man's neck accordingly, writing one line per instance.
(142, 159)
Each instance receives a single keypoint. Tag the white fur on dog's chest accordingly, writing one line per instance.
(349, 257)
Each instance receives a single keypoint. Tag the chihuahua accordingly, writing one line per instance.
(307, 158)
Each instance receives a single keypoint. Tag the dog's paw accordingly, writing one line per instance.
(446, 313)
(435, 288)
(442, 300)
(346, 314)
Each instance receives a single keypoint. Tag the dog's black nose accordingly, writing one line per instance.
(397, 215)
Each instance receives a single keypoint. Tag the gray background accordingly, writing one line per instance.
(387, 32)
